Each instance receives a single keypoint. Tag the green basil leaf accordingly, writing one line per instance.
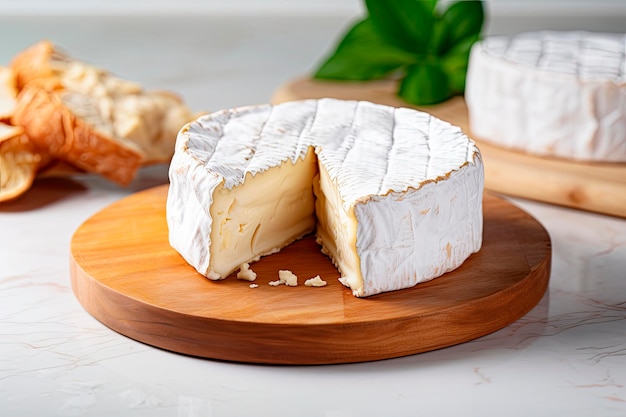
(403, 23)
(410, 35)
(464, 19)
(363, 55)
(439, 38)
(456, 78)
(361, 32)
(425, 84)
(455, 63)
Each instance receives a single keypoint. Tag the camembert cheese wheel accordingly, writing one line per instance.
(552, 93)
(394, 195)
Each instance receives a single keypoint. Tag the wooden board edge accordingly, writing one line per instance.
(256, 342)
(576, 190)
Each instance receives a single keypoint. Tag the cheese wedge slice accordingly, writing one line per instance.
(394, 195)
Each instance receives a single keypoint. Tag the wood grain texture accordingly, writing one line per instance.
(126, 275)
(596, 187)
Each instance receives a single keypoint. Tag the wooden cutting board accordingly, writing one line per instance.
(597, 187)
(126, 275)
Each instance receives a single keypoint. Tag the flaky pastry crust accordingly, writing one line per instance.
(91, 119)
(19, 162)
(52, 126)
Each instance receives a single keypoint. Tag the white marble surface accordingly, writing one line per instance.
(566, 357)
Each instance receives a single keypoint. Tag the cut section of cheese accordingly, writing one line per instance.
(551, 93)
(394, 195)
(261, 215)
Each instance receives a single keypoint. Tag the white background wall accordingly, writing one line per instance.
(333, 7)
(225, 53)
(505, 16)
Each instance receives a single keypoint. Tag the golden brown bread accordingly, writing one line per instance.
(50, 125)
(33, 63)
(19, 162)
(8, 93)
(90, 118)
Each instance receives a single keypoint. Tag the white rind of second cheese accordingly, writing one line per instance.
(551, 93)
(411, 183)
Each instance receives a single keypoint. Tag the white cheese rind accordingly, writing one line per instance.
(557, 94)
(407, 238)
(406, 188)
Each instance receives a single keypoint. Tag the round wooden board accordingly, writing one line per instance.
(126, 275)
(597, 187)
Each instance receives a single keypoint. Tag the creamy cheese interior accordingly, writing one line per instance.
(267, 212)
(336, 230)
(261, 215)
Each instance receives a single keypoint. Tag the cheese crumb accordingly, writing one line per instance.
(316, 281)
(289, 278)
(254, 285)
(285, 277)
(246, 273)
